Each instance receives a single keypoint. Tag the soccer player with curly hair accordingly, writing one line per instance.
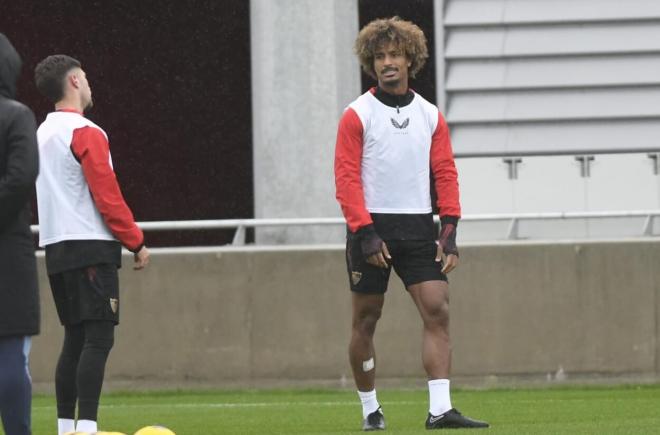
(390, 140)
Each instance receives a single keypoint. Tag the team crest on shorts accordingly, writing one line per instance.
(114, 304)
(356, 277)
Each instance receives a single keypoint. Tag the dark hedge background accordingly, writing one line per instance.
(419, 12)
(171, 86)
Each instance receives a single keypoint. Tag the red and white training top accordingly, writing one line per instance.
(384, 156)
(78, 196)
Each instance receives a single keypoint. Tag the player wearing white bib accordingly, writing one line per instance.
(390, 142)
(83, 223)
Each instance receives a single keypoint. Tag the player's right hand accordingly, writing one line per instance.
(380, 259)
(374, 249)
(141, 258)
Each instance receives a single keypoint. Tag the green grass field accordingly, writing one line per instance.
(569, 410)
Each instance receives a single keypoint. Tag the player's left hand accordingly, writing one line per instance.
(382, 258)
(141, 258)
(447, 250)
(450, 262)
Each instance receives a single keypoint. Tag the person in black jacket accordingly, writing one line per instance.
(19, 294)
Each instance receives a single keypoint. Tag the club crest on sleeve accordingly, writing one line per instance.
(356, 277)
(401, 126)
(114, 304)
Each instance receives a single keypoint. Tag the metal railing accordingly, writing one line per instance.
(515, 218)
(512, 232)
(650, 151)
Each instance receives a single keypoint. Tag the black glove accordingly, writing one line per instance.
(370, 242)
(447, 237)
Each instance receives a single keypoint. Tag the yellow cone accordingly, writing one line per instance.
(96, 433)
(154, 430)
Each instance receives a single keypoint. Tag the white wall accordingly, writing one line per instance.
(617, 182)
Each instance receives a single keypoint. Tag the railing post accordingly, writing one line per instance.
(648, 226)
(512, 233)
(239, 236)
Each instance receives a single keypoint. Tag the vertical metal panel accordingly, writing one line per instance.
(554, 137)
(626, 70)
(556, 105)
(548, 76)
(489, 12)
(552, 39)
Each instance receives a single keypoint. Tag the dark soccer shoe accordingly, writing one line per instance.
(453, 419)
(374, 421)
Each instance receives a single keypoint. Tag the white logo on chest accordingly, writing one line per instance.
(401, 126)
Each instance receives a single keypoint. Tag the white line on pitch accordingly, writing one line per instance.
(234, 405)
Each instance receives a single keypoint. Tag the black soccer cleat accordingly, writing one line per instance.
(374, 421)
(453, 419)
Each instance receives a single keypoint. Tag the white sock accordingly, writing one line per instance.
(439, 401)
(369, 402)
(65, 425)
(88, 426)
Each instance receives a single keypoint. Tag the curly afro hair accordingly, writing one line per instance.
(404, 34)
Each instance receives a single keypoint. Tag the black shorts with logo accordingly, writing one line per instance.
(413, 260)
(87, 293)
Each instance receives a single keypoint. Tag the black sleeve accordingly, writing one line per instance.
(22, 166)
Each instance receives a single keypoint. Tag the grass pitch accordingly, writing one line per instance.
(567, 410)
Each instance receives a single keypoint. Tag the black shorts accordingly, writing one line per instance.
(413, 260)
(88, 293)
